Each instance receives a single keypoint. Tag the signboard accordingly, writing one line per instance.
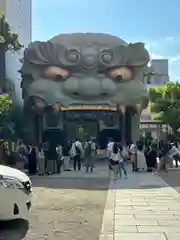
(88, 107)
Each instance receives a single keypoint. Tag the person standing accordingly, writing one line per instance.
(114, 160)
(66, 154)
(32, 160)
(22, 160)
(59, 158)
(133, 153)
(140, 159)
(45, 147)
(90, 155)
(151, 158)
(121, 158)
(77, 153)
(175, 153)
(164, 159)
(109, 148)
(41, 165)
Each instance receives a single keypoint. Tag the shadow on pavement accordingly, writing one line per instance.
(90, 184)
(172, 178)
(13, 230)
(100, 180)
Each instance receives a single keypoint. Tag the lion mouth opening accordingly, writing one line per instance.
(103, 95)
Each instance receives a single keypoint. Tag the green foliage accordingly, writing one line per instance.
(9, 39)
(11, 119)
(5, 106)
(165, 104)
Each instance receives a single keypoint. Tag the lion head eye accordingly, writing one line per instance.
(54, 72)
(122, 73)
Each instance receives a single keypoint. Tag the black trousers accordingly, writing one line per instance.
(177, 159)
(134, 164)
(77, 161)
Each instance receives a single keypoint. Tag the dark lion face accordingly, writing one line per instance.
(75, 69)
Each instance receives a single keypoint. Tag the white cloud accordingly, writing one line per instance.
(167, 48)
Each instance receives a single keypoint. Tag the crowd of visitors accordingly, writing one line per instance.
(45, 159)
(152, 157)
(77, 155)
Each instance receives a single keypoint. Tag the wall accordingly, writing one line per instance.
(2, 66)
(3, 5)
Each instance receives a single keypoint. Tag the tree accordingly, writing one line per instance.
(165, 104)
(7, 38)
(5, 106)
(8, 116)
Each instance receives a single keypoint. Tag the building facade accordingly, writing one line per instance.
(148, 125)
(18, 15)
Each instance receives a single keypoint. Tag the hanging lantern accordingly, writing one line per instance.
(55, 107)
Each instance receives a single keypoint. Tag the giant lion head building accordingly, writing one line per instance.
(89, 81)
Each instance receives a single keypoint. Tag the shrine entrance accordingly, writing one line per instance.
(81, 130)
(80, 124)
(84, 124)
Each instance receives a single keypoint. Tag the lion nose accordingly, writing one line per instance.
(89, 57)
(89, 61)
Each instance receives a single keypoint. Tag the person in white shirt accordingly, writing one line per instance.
(175, 153)
(133, 152)
(77, 152)
(121, 161)
(114, 160)
(109, 148)
(141, 160)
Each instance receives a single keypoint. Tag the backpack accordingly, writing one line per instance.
(78, 151)
(89, 149)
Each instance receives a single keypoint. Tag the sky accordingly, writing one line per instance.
(154, 22)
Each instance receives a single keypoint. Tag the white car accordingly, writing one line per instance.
(15, 194)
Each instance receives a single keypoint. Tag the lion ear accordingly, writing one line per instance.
(41, 53)
(138, 44)
(137, 54)
(34, 53)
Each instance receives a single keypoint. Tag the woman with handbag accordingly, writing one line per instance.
(121, 162)
(41, 162)
(114, 160)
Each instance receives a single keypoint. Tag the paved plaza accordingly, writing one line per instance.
(77, 205)
(68, 206)
(141, 207)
